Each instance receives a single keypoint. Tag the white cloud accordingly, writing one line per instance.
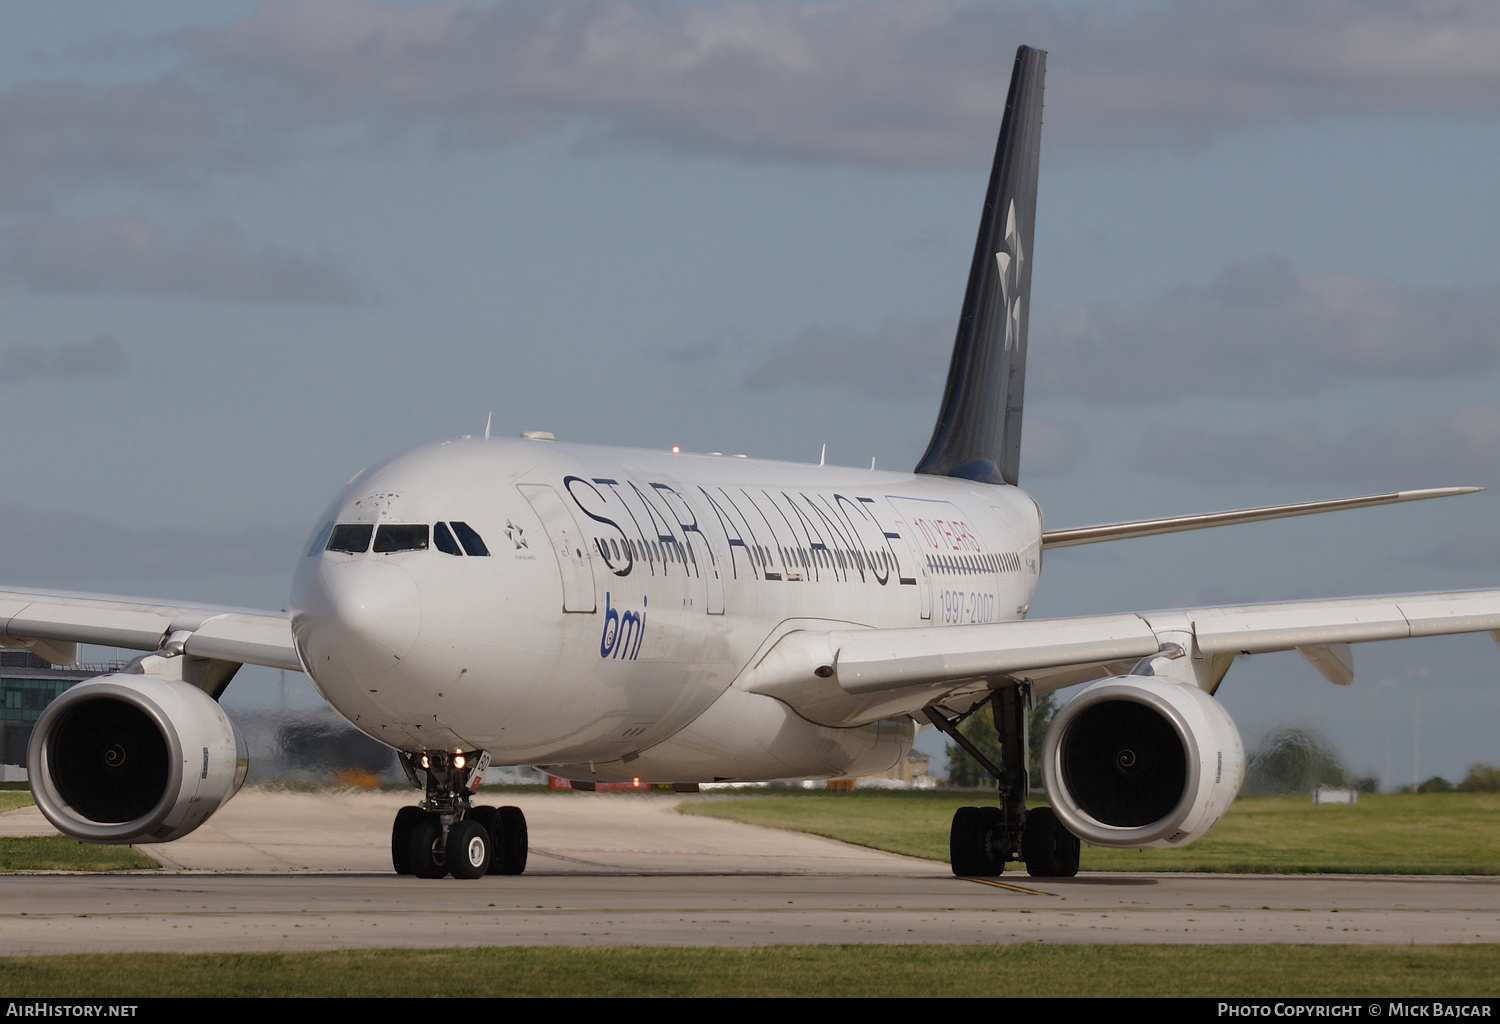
(903, 359)
(1256, 329)
(54, 547)
(1459, 447)
(1050, 448)
(881, 82)
(904, 356)
(61, 133)
(99, 356)
(875, 82)
(132, 253)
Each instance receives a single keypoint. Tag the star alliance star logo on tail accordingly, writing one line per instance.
(1010, 278)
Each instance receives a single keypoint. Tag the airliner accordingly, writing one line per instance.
(619, 614)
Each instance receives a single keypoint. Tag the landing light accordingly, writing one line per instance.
(458, 760)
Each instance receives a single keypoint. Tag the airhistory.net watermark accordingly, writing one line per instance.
(42, 1008)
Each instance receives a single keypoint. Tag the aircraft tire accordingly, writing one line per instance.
(1049, 849)
(468, 849)
(406, 820)
(971, 842)
(422, 848)
(489, 817)
(512, 842)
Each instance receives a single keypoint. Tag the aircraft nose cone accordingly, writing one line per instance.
(360, 616)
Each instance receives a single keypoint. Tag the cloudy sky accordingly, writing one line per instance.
(248, 248)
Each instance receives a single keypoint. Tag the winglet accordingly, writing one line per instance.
(978, 432)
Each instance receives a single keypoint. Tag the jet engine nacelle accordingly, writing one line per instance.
(131, 758)
(1141, 762)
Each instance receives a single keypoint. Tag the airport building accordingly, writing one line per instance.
(27, 685)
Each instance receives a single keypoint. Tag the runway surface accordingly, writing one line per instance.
(275, 871)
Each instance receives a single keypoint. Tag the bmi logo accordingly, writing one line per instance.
(623, 631)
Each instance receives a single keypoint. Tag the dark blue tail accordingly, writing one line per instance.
(978, 433)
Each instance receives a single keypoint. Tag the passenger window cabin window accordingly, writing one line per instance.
(391, 537)
(351, 538)
(469, 539)
(442, 539)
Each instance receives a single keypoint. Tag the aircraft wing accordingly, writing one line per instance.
(53, 623)
(855, 676)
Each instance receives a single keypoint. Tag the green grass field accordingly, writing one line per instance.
(10, 799)
(873, 971)
(59, 853)
(1428, 833)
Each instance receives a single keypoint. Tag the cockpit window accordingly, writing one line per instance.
(470, 540)
(400, 537)
(443, 540)
(320, 540)
(353, 538)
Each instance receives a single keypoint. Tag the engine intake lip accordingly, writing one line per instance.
(1152, 820)
(59, 787)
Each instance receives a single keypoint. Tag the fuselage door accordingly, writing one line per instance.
(910, 570)
(948, 547)
(568, 544)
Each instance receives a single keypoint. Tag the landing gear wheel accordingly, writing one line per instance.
(513, 844)
(406, 820)
(490, 819)
(425, 851)
(972, 841)
(468, 849)
(508, 839)
(1049, 849)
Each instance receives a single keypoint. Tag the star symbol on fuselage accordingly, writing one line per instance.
(514, 532)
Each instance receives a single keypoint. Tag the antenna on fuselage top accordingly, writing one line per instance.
(823, 455)
(487, 417)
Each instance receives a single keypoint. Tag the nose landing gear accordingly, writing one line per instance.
(445, 834)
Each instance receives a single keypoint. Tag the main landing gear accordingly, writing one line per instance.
(984, 839)
(445, 835)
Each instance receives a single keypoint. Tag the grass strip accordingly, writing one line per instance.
(835, 971)
(59, 853)
(1419, 833)
(10, 799)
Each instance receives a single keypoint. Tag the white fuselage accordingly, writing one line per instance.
(623, 594)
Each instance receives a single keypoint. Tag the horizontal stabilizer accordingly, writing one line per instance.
(1177, 524)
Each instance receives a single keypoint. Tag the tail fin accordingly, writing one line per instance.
(978, 433)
